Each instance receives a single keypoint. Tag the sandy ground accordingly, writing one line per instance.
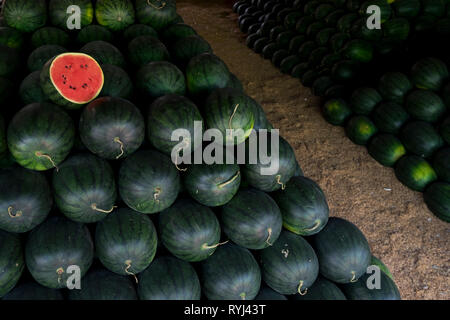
(400, 229)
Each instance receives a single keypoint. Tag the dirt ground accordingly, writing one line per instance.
(400, 229)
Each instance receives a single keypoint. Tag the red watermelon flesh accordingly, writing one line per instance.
(77, 77)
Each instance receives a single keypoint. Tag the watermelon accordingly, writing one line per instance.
(295, 43)
(314, 28)
(323, 10)
(39, 56)
(101, 284)
(321, 85)
(84, 188)
(303, 206)
(333, 17)
(190, 231)
(253, 29)
(112, 128)
(59, 16)
(49, 36)
(389, 117)
(25, 16)
(305, 49)
(359, 50)
(414, 172)
(406, 8)
(363, 100)
(284, 38)
(252, 219)
(125, 241)
(338, 40)
(299, 70)
(279, 56)
(429, 73)
(290, 20)
(269, 50)
(444, 130)
(359, 290)
(188, 47)
(336, 91)
(345, 23)
(156, 13)
(231, 273)
(303, 24)
(55, 245)
(265, 293)
(104, 52)
(437, 198)
(148, 181)
(245, 22)
(30, 89)
(360, 129)
(40, 136)
(260, 172)
(11, 261)
(33, 291)
(116, 15)
(145, 49)
(232, 112)
(160, 78)
(421, 138)
(343, 251)
(137, 30)
(26, 202)
(11, 38)
(330, 59)
(260, 44)
(386, 149)
(395, 30)
(378, 263)
(324, 35)
(336, 111)
(117, 82)
(290, 265)
(425, 105)
(393, 86)
(266, 28)
(168, 278)
(94, 33)
(177, 31)
(322, 289)
(345, 70)
(214, 184)
(441, 164)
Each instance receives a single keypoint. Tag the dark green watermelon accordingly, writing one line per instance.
(279, 56)
(338, 40)
(437, 198)
(168, 278)
(115, 15)
(177, 31)
(444, 130)
(251, 39)
(148, 181)
(30, 89)
(425, 105)
(231, 273)
(321, 85)
(9, 61)
(378, 263)
(126, 241)
(11, 38)
(212, 185)
(188, 47)
(429, 73)
(345, 23)
(167, 114)
(314, 28)
(305, 49)
(359, 290)
(393, 86)
(269, 176)
(232, 112)
(252, 219)
(55, 245)
(204, 73)
(112, 128)
(414, 172)
(156, 13)
(389, 117)
(190, 231)
(359, 50)
(160, 78)
(396, 30)
(49, 35)
(145, 49)
(266, 293)
(32, 291)
(406, 8)
(360, 129)
(92, 33)
(102, 284)
(386, 149)
(84, 188)
(364, 100)
(303, 206)
(330, 59)
(116, 83)
(299, 70)
(290, 265)
(323, 10)
(40, 136)
(11, 261)
(343, 251)
(24, 15)
(420, 138)
(345, 70)
(336, 111)
(441, 164)
(322, 289)
(261, 43)
(59, 16)
(39, 56)
(324, 35)
(104, 53)
(137, 30)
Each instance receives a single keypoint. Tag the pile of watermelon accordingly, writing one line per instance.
(89, 186)
(380, 84)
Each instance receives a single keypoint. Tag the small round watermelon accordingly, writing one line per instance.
(156, 13)
(24, 15)
(425, 105)
(414, 172)
(137, 30)
(59, 16)
(393, 86)
(11, 38)
(50, 35)
(188, 47)
(386, 149)
(145, 49)
(104, 53)
(39, 56)
(30, 90)
(11, 261)
(92, 33)
(360, 129)
(420, 138)
(336, 111)
(116, 15)
(117, 82)
(429, 73)
(364, 100)
(175, 32)
(389, 117)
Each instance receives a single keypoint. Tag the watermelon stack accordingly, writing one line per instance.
(88, 164)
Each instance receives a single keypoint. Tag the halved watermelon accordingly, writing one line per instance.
(72, 79)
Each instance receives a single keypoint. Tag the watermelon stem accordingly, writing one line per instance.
(156, 194)
(353, 279)
(231, 118)
(229, 181)
(46, 156)
(300, 289)
(268, 238)
(15, 215)
(127, 270)
(117, 140)
(94, 207)
(283, 186)
(163, 4)
(206, 247)
(59, 271)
